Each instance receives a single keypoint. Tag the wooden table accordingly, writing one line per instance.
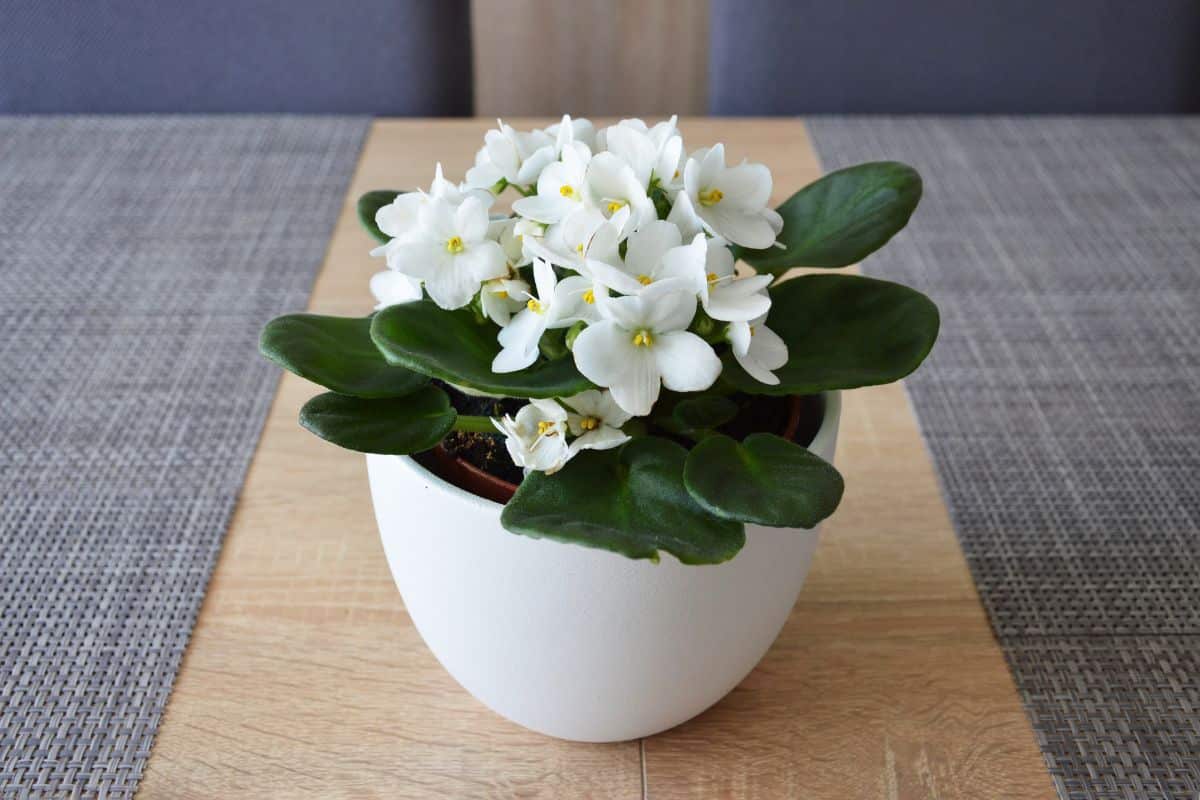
(305, 677)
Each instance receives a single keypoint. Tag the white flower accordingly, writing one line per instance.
(653, 153)
(758, 349)
(450, 252)
(501, 297)
(528, 227)
(555, 306)
(560, 189)
(612, 186)
(589, 244)
(400, 219)
(727, 297)
(511, 155)
(731, 202)
(596, 419)
(504, 232)
(569, 130)
(641, 344)
(664, 257)
(392, 288)
(537, 438)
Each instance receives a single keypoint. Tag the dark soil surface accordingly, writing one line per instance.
(487, 451)
(484, 450)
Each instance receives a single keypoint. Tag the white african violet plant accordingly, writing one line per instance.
(611, 301)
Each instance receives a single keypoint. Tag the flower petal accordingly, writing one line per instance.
(399, 217)
(670, 305)
(638, 389)
(739, 338)
(687, 263)
(513, 359)
(686, 362)
(739, 227)
(603, 438)
(647, 246)
(471, 220)
(546, 208)
(569, 304)
(742, 299)
(451, 287)
(545, 280)
(683, 215)
(604, 352)
(746, 185)
(392, 288)
(768, 348)
(482, 261)
(419, 259)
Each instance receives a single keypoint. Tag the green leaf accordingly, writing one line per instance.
(394, 426)
(842, 218)
(452, 346)
(765, 480)
(370, 203)
(704, 411)
(843, 331)
(630, 500)
(337, 353)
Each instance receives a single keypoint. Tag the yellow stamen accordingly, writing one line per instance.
(645, 280)
(589, 297)
(751, 330)
(712, 278)
(676, 175)
(568, 191)
(710, 197)
(455, 245)
(579, 248)
(536, 306)
(589, 423)
(503, 295)
(614, 206)
(642, 339)
(546, 428)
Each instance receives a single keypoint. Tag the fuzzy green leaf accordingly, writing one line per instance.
(842, 218)
(765, 480)
(368, 205)
(704, 411)
(843, 331)
(392, 426)
(337, 353)
(453, 346)
(630, 500)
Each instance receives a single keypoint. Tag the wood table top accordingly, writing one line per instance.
(306, 679)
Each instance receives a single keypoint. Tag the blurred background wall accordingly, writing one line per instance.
(590, 57)
(600, 57)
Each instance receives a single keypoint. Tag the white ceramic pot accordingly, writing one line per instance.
(574, 642)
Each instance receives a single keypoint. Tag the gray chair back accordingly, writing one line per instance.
(401, 57)
(955, 56)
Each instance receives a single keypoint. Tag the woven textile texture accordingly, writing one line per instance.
(138, 259)
(1062, 407)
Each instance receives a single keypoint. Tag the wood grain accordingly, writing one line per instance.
(305, 678)
(588, 57)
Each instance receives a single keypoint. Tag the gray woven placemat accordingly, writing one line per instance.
(1062, 406)
(138, 259)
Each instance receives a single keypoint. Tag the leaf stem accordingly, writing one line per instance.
(472, 424)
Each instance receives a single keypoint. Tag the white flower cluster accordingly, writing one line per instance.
(628, 235)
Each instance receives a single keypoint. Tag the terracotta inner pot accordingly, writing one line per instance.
(464, 474)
